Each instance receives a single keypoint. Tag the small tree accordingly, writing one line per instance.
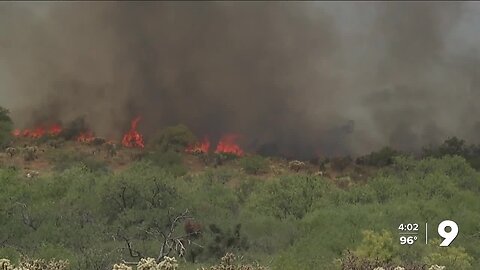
(254, 164)
(451, 146)
(6, 126)
(380, 246)
(174, 138)
(384, 157)
(451, 257)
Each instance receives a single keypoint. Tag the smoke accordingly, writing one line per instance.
(298, 78)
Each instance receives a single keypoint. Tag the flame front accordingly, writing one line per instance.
(85, 137)
(228, 145)
(133, 138)
(55, 129)
(16, 132)
(200, 147)
(38, 132)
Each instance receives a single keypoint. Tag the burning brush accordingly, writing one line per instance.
(226, 145)
(85, 137)
(199, 148)
(38, 132)
(133, 138)
(78, 130)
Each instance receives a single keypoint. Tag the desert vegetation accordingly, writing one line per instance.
(160, 204)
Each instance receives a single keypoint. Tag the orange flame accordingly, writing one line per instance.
(228, 145)
(55, 129)
(16, 132)
(38, 132)
(85, 137)
(200, 147)
(133, 138)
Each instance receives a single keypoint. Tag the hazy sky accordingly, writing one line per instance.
(344, 77)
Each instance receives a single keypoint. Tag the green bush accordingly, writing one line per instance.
(451, 146)
(290, 196)
(65, 159)
(221, 175)
(34, 264)
(174, 138)
(350, 261)
(452, 257)
(169, 160)
(455, 147)
(383, 157)
(229, 261)
(254, 164)
(6, 127)
(380, 246)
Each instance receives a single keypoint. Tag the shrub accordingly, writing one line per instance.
(377, 246)
(65, 159)
(174, 138)
(229, 261)
(350, 262)
(451, 257)
(341, 163)
(167, 263)
(290, 196)
(221, 157)
(225, 239)
(6, 126)
(383, 157)
(455, 147)
(451, 146)
(254, 164)
(169, 160)
(35, 264)
(220, 175)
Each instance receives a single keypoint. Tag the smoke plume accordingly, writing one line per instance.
(299, 79)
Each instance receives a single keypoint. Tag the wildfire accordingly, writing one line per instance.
(228, 145)
(55, 129)
(38, 132)
(85, 137)
(200, 147)
(16, 132)
(133, 138)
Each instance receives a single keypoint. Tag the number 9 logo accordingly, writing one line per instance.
(447, 236)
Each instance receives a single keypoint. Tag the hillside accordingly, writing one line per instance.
(79, 202)
(49, 157)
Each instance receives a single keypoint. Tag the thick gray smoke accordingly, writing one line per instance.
(294, 78)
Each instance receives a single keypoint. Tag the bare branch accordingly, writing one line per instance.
(133, 253)
(173, 243)
(129, 263)
(124, 202)
(166, 234)
(25, 217)
(3, 242)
